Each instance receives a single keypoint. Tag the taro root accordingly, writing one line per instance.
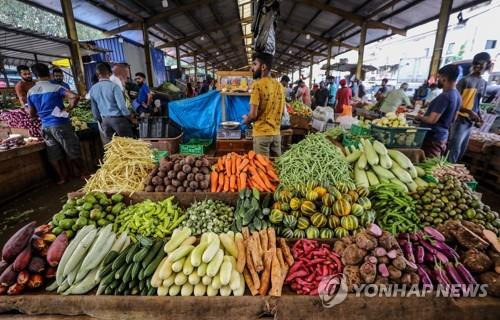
(387, 240)
(157, 181)
(339, 247)
(368, 272)
(353, 255)
(399, 263)
(365, 241)
(186, 168)
(149, 188)
(476, 261)
(394, 273)
(160, 188)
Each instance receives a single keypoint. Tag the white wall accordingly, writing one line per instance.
(134, 56)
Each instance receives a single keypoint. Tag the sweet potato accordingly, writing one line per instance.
(17, 242)
(3, 290)
(50, 272)
(492, 279)
(366, 241)
(15, 289)
(8, 277)
(56, 249)
(399, 263)
(339, 247)
(353, 255)
(36, 265)
(476, 261)
(387, 241)
(394, 273)
(44, 228)
(3, 265)
(368, 272)
(23, 259)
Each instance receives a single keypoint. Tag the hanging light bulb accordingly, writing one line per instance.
(164, 3)
(388, 32)
(308, 36)
(202, 38)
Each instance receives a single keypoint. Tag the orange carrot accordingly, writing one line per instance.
(243, 181)
(264, 178)
(262, 159)
(228, 165)
(220, 184)
(238, 165)
(233, 164)
(243, 163)
(214, 177)
(226, 184)
(249, 184)
(251, 154)
(272, 174)
(257, 178)
(232, 183)
(220, 164)
(257, 164)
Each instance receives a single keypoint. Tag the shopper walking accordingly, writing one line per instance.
(441, 112)
(23, 86)
(344, 96)
(108, 106)
(267, 102)
(472, 87)
(303, 93)
(395, 98)
(46, 100)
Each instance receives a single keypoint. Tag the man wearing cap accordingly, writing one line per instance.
(344, 96)
(472, 88)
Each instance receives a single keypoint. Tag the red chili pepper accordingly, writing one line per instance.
(316, 261)
(296, 266)
(310, 277)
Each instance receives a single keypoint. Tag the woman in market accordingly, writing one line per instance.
(441, 112)
(344, 96)
(303, 93)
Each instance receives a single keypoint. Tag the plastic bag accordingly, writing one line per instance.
(323, 113)
(264, 26)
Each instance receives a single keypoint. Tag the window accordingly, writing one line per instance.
(451, 45)
(426, 52)
(490, 44)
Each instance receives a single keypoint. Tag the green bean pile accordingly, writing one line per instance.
(313, 160)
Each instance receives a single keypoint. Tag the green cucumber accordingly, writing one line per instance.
(120, 272)
(142, 285)
(108, 279)
(122, 287)
(152, 253)
(105, 271)
(135, 271)
(141, 274)
(134, 291)
(130, 254)
(114, 284)
(121, 258)
(110, 257)
(152, 291)
(144, 291)
(132, 284)
(126, 292)
(145, 242)
(140, 255)
(128, 274)
(151, 268)
(108, 290)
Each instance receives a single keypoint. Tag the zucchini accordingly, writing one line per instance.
(169, 281)
(235, 283)
(81, 274)
(144, 291)
(148, 284)
(135, 271)
(177, 266)
(174, 290)
(156, 280)
(80, 252)
(385, 162)
(372, 178)
(228, 244)
(130, 254)
(383, 173)
(211, 291)
(194, 278)
(180, 279)
(101, 289)
(187, 289)
(370, 153)
(379, 148)
(241, 290)
(400, 158)
(151, 268)
(162, 291)
(401, 174)
(199, 290)
(115, 249)
(152, 253)
(120, 272)
(121, 258)
(360, 178)
(362, 163)
(214, 265)
(187, 268)
(211, 250)
(128, 273)
(140, 255)
(225, 272)
(353, 156)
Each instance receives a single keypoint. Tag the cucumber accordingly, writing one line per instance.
(148, 284)
(110, 257)
(152, 292)
(128, 274)
(145, 241)
(120, 272)
(132, 284)
(105, 271)
(126, 292)
(154, 264)
(108, 279)
(122, 287)
(114, 284)
(142, 285)
(134, 291)
(130, 254)
(152, 253)
(108, 290)
(135, 271)
(144, 291)
(140, 255)
(121, 258)
(141, 274)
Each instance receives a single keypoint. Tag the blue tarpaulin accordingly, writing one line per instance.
(201, 116)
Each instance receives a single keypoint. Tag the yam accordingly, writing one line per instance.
(353, 255)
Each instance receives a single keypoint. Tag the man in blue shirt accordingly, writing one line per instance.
(58, 78)
(332, 96)
(45, 100)
(144, 97)
(442, 112)
(108, 106)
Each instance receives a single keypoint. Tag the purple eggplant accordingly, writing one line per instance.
(414, 236)
(428, 257)
(453, 273)
(441, 257)
(420, 254)
(424, 277)
(427, 246)
(441, 276)
(444, 248)
(466, 275)
(411, 265)
(408, 251)
(436, 235)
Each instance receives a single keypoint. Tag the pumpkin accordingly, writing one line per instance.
(341, 208)
(333, 222)
(302, 223)
(341, 232)
(363, 191)
(296, 214)
(349, 222)
(354, 195)
(289, 221)
(312, 195)
(367, 218)
(326, 210)
(300, 234)
(347, 197)
(320, 191)
(277, 205)
(335, 193)
(365, 202)
(319, 220)
(276, 216)
(312, 232)
(328, 200)
(285, 196)
(285, 207)
(357, 210)
(326, 233)
(342, 187)
(287, 233)
(295, 203)
(308, 208)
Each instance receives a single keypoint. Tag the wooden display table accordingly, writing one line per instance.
(287, 307)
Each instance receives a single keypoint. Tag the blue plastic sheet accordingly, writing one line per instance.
(200, 116)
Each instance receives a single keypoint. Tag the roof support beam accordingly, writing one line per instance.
(361, 51)
(292, 45)
(178, 9)
(444, 18)
(318, 38)
(126, 27)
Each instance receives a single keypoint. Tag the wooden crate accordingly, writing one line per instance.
(299, 122)
(165, 144)
(240, 146)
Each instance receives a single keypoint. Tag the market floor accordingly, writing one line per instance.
(39, 204)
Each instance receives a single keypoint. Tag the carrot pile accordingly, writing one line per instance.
(263, 264)
(234, 172)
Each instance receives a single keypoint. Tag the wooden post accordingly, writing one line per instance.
(178, 58)
(361, 51)
(195, 68)
(437, 52)
(329, 58)
(206, 68)
(311, 72)
(76, 57)
(147, 54)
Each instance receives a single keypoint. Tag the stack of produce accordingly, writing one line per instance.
(300, 109)
(127, 163)
(314, 159)
(374, 164)
(129, 271)
(452, 199)
(436, 262)
(209, 216)
(392, 120)
(251, 211)
(29, 257)
(374, 256)
(78, 124)
(234, 172)
(319, 212)
(13, 141)
(82, 111)
(264, 265)
(395, 209)
(439, 168)
(479, 251)
(78, 266)
(94, 208)
(19, 118)
(149, 219)
(313, 262)
(178, 174)
(212, 267)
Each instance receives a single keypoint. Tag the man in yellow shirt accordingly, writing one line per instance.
(267, 102)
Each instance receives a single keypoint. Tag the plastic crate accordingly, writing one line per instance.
(349, 140)
(158, 155)
(195, 146)
(410, 137)
(359, 130)
(472, 185)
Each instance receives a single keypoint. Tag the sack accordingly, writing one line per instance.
(264, 26)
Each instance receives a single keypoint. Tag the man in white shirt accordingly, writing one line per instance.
(120, 75)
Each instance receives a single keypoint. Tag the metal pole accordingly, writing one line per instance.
(76, 57)
(178, 58)
(36, 58)
(444, 17)
(311, 72)
(329, 57)
(147, 53)
(206, 68)
(361, 51)
(195, 68)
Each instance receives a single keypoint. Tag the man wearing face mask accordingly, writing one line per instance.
(441, 112)
(267, 102)
(23, 86)
(472, 88)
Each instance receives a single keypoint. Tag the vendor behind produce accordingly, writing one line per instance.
(46, 100)
(395, 98)
(108, 106)
(23, 86)
(58, 78)
(267, 102)
(441, 112)
(142, 104)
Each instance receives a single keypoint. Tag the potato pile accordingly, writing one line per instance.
(180, 174)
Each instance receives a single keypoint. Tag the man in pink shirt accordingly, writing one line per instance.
(303, 93)
(344, 96)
